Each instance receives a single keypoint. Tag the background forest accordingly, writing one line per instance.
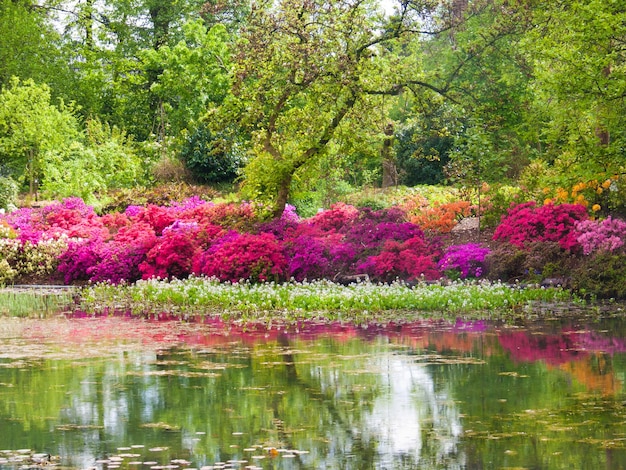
(305, 102)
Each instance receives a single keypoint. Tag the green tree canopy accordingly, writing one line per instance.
(31, 125)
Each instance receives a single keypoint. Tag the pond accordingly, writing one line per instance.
(119, 392)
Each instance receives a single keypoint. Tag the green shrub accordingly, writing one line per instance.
(8, 192)
(548, 260)
(160, 195)
(602, 275)
(506, 262)
(210, 158)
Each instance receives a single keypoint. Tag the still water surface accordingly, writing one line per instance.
(106, 393)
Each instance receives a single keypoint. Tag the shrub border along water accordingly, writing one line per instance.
(291, 302)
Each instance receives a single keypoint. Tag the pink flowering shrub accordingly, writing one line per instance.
(240, 217)
(411, 259)
(526, 223)
(71, 218)
(467, 260)
(238, 256)
(603, 235)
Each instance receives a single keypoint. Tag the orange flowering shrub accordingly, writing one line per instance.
(441, 217)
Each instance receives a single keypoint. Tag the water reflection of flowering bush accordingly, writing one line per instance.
(558, 349)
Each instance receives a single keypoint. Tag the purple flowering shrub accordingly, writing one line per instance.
(602, 235)
(526, 223)
(467, 260)
(238, 256)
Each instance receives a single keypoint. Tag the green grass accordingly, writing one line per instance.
(322, 300)
(32, 303)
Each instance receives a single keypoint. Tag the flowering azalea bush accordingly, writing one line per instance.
(442, 217)
(526, 223)
(237, 256)
(468, 260)
(411, 259)
(605, 235)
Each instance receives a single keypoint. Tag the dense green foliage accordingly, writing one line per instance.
(462, 92)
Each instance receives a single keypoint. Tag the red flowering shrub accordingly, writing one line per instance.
(172, 255)
(411, 259)
(157, 217)
(243, 256)
(526, 223)
(337, 217)
(114, 222)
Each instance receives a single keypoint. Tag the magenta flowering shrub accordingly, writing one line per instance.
(118, 263)
(467, 260)
(238, 256)
(79, 257)
(284, 226)
(526, 223)
(309, 258)
(411, 260)
(603, 235)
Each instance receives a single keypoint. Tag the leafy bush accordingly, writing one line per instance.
(602, 275)
(239, 256)
(548, 260)
(495, 202)
(160, 195)
(106, 161)
(8, 192)
(208, 157)
(526, 223)
(7, 273)
(464, 261)
(506, 262)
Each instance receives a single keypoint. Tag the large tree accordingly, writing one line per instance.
(578, 52)
(31, 125)
(304, 69)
